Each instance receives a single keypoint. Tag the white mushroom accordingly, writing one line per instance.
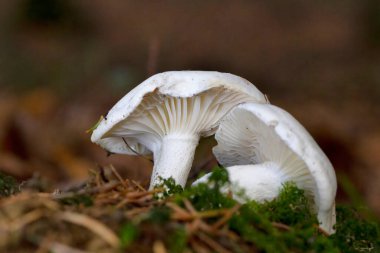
(168, 113)
(267, 147)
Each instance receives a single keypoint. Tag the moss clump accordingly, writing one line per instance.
(208, 196)
(8, 185)
(169, 187)
(354, 234)
(128, 234)
(291, 207)
(285, 224)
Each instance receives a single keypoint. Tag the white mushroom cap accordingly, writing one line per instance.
(257, 134)
(167, 113)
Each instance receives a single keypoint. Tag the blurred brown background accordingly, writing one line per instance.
(64, 63)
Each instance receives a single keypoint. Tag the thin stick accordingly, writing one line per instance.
(138, 185)
(142, 194)
(25, 220)
(159, 247)
(190, 207)
(63, 248)
(281, 226)
(134, 151)
(91, 224)
(322, 231)
(102, 188)
(225, 218)
(212, 244)
(114, 171)
(198, 247)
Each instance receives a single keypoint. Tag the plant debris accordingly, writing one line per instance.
(120, 215)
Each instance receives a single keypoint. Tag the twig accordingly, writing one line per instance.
(212, 244)
(102, 174)
(190, 207)
(198, 247)
(159, 247)
(321, 230)
(25, 220)
(102, 188)
(136, 211)
(193, 226)
(91, 224)
(138, 185)
(280, 226)
(134, 151)
(57, 247)
(114, 171)
(142, 194)
(181, 214)
(226, 217)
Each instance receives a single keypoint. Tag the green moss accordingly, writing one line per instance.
(127, 234)
(178, 240)
(8, 185)
(170, 187)
(291, 207)
(354, 234)
(159, 215)
(208, 196)
(285, 224)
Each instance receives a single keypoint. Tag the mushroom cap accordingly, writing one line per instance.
(255, 133)
(154, 90)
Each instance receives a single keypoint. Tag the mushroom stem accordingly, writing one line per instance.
(174, 159)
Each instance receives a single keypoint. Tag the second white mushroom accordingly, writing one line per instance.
(263, 147)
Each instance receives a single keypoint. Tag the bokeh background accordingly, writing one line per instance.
(63, 63)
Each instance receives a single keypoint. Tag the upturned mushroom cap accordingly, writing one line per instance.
(182, 104)
(257, 134)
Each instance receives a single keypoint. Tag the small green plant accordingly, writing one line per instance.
(8, 185)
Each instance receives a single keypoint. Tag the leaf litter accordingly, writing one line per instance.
(119, 215)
